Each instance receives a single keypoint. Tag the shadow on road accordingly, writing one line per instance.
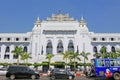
(76, 78)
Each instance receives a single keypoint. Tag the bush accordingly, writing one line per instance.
(36, 64)
(82, 64)
(58, 63)
(5, 64)
(45, 63)
(27, 64)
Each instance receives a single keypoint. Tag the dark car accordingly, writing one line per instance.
(21, 72)
(61, 74)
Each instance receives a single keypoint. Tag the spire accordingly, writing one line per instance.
(83, 25)
(82, 18)
(38, 19)
(82, 22)
(37, 22)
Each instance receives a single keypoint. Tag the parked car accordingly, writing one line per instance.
(21, 72)
(52, 70)
(61, 74)
(3, 71)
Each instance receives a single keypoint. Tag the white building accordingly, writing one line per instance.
(57, 34)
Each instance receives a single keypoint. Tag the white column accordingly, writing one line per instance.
(3, 47)
(12, 47)
(65, 44)
(108, 48)
(55, 42)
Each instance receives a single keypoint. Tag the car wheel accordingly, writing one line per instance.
(12, 77)
(33, 77)
(70, 77)
(52, 77)
(116, 76)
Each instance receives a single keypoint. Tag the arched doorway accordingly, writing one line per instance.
(112, 49)
(95, 49)
(49, 48)
(60, 47)
(25, 49)
(70, 46)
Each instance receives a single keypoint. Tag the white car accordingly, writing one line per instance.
(3, 71)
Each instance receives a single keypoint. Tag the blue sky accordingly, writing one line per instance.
(19, 15)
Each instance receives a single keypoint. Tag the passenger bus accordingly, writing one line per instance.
(107, 68)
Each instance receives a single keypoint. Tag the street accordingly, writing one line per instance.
(47, 78)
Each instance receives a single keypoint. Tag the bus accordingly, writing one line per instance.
(107, 68)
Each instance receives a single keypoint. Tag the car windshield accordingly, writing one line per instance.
(62, 71)
(29, 69)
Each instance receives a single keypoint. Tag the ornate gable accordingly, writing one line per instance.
(60, 18)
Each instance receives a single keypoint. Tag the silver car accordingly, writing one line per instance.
(3, 71)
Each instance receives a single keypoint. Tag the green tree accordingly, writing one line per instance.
(74, 56)
(17, 52)
(103, 49)
(112, 55)
(96, 55)
(25, 56)
(117, 53)
(85, 56)
(49, 57)
(65, 56)
(103, 52)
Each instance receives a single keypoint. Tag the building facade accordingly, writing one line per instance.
(56, 34)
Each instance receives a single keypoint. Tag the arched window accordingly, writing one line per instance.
(94, 49)
(70, 46)
(49, 47)
(7, 49)
(6, 56)
(25, 49)
(15, 56)
(60, 47)
(112, 49)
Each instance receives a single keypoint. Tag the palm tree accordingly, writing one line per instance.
(112, 55)
(103, 52)
(118, 53)
(85, 56)
(25, 56)
(103, 49)
(65, 56)
(96, 55)
(49, 57)
(74, 56)
(17, 52)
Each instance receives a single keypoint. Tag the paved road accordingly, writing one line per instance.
(46, 78)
